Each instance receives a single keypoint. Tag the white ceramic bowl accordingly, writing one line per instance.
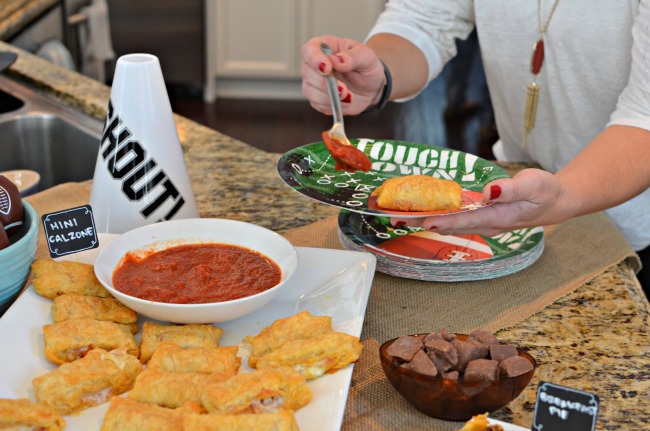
(15, 260)
(187, 231)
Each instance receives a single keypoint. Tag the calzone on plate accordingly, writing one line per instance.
(419, 193)
(171, 390)
(297, 326)
(75, 306)
(69, 340)
(53, 278)
(191, 335)
(258, 391)
(173, 358)
(314, 356)
(24, 414)
(125, 414)
(88, 381)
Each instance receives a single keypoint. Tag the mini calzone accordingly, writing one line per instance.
(173, 358)
(182, 335)
(54, 278)
(171, 390)
(298, 326)
(419, 193)
(125, 414)
(76, 306)
(87, 382)
(257, 391)
(68, 341)
(314, 356)
(24, 414)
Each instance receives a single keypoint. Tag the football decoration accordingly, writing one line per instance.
(11, 206)
(434, 246)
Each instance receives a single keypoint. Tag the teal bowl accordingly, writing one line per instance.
(16, 260)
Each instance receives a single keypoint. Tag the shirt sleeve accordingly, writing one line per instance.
(432, 26)
(633, 107)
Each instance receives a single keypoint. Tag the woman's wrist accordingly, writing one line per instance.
(384, 93)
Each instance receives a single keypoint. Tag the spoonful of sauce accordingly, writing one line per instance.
(347, 156)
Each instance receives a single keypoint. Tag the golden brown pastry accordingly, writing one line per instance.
(183, 335)
(24, 414)
(74, 306)
(87, 382)
(281, 420)
(171, 389)
(480, 423)
(419, 193)
(301, 325)
(68, 340)
(125, 414)
(52, 278)
(173, 358)
(316, 355)
(257, 391)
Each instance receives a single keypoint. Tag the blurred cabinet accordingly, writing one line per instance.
(172, 30)
(253, 46)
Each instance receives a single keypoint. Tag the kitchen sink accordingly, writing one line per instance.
(9, 103)
(43, 135)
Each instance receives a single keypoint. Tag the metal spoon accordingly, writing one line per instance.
(346, 155)
(337, 131)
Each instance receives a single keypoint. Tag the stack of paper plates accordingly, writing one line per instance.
(418, 254)
(411, 252)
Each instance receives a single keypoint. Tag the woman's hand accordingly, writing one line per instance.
(356, 66)
(533, 197)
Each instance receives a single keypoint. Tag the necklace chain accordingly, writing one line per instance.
(542, 30)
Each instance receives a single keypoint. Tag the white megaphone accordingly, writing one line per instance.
(140, 175)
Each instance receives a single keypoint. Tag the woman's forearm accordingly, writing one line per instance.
(406, 63)
(609, 171)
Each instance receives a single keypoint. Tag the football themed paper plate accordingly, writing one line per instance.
(310, 170)
(413, 252)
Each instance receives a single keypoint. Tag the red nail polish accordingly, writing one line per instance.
(495, 192)
(433, 227)
(399, 223)
(347, 98)
(340, 58)
(340, 89)
(321, 67)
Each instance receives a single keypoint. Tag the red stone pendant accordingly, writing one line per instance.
(538, 57)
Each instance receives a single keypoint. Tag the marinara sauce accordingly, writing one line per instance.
(196, 273)
(346, 157)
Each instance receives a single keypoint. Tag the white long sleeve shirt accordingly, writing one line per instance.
(596, 72)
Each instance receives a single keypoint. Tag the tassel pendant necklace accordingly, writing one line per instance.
(536, 62)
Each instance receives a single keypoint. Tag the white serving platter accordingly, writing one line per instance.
(328, 282)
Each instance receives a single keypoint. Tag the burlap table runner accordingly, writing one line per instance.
(575, 252)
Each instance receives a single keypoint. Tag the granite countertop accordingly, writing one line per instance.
(596, 338)
(15, 15)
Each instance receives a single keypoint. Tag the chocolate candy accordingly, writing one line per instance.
(480, 357)
(11, 206)
(405, 348)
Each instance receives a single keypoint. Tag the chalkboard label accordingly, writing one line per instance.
(70, 231)
(561, 408)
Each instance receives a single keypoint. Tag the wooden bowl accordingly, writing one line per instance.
(453, 400)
